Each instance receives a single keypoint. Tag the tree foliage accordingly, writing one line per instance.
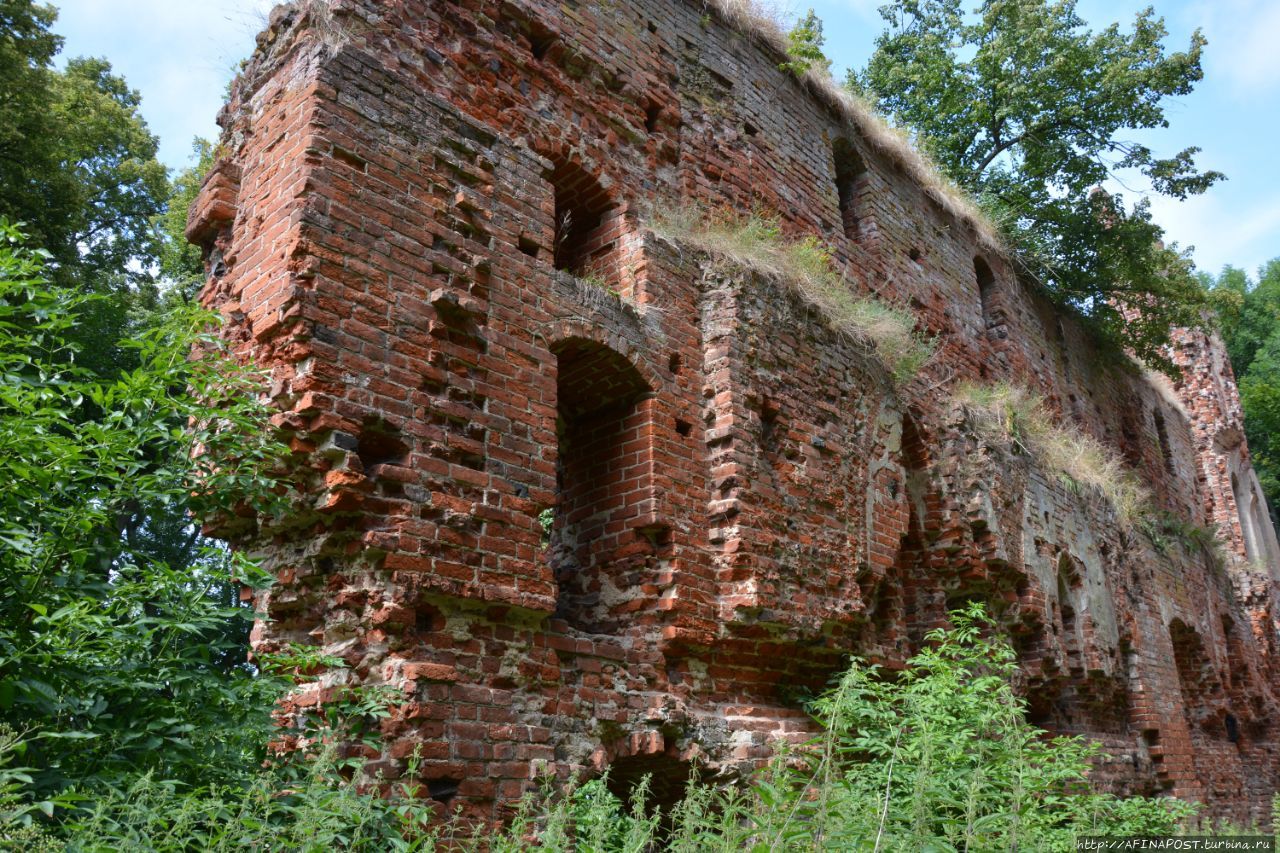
(804, 46)
(1248, 311)
(179, 263)
(1028, 110)
(1248, 314)
(78, 168)
(114, 660)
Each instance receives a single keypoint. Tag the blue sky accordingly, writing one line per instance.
(179, 54)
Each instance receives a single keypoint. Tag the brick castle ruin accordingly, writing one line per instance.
(590, 498)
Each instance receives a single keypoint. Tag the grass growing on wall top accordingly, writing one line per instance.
(1005, 412)
(756, 241)
(766, 22)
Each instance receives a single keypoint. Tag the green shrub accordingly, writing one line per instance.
(938, 757)
(942, 758)
(114, 661)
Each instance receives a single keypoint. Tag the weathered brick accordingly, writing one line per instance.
(739, 496)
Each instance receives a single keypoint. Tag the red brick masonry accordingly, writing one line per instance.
(429, 223)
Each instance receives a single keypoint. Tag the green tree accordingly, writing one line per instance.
(179, 263)
(1248, 311)
(804, 46)
(1028, 110)
(113, 661)
(1260, 397)
(1248, 314)
(78, 168)
(27, 48)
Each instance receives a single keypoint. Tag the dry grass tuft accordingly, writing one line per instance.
(1010, 413)
(765, 23)
(333, 34)
(756, 242)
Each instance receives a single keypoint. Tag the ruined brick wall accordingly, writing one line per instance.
(589, 497)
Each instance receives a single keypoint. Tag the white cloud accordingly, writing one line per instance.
(180, 55)
(1242, 41)
(1223, 230)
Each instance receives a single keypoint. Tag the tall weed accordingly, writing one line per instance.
(936, 757)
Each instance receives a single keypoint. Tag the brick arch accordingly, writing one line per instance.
(569, 330)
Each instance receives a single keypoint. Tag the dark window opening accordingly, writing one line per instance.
(587, 225)
(540, 40)
(652, 112)
(1162, 438)
(603, 474)
(674, 364)
(528, 246)
(668, 779)
(1233, 728)
(427, 619)
(986, 292)
(915, 255)
(851, 181)
(1130, 446)
(443, 790)
(380, 444)
(770, 429)
(684, 428)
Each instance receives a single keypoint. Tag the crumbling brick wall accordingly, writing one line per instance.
(589, 497)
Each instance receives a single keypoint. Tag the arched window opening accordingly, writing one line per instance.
(588, 225)
(604, 478)
(986, 292)
(851, 182)
(1231, 727)
(1071, 604)
(1244, 513)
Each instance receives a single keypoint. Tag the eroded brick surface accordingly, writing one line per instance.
(430, 226)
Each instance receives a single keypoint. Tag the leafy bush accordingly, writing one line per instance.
(757, 242)
(114, 662)
(938, 757)
(314, 809)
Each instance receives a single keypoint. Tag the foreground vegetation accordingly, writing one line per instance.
(938, 757)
